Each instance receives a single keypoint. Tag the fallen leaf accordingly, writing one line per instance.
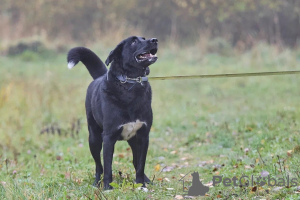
(166, 179)
(203, 163)
(77, 180)
(254, 189)
(170, 188)
(179, 197)
(277, 188)
(184, 158)
(173, 152)
(210, 184)
(168, 168)
(264, 173)
(121, 155)
(289, 152)
(248, 167)
(157, 167)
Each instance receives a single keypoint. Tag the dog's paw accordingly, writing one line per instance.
(147, 180)
(97, 183)
(107, 187)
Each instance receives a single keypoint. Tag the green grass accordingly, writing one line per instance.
(227, 127)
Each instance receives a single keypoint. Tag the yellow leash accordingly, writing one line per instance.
(225, 75)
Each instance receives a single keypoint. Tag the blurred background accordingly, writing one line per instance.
(239, 24)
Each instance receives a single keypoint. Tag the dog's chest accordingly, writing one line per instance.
(129, 129)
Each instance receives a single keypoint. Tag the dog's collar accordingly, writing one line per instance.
(124, 79)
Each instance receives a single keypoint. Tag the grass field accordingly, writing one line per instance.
(218, 127)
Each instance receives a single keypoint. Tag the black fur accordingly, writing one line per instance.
(92, 62)
(110, 103)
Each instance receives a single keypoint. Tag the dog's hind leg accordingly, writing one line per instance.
(95, 142)
(133, 144)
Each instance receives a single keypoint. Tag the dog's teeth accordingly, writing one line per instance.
(71, 65)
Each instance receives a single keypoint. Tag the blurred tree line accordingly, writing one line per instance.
(242, 22)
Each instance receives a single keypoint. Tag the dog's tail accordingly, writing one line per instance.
(92, 62)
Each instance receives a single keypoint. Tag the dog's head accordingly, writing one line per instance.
(135, 52)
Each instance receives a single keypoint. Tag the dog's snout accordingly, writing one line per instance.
(153, 40)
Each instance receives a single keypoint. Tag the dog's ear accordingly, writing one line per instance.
(114, 53)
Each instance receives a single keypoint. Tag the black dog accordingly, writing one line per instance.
(118, 102)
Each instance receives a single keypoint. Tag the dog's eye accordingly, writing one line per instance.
(134, 42)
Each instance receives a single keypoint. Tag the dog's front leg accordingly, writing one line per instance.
(108, 151)
(133, 144)
(142, 148)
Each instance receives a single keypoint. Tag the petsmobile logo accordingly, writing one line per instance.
(246, 181)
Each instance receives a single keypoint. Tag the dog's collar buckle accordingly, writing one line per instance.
(125, 79)
(138, 79)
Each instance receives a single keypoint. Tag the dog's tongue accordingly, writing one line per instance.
(147, 55)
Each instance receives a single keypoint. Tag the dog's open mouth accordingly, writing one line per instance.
(150, 56)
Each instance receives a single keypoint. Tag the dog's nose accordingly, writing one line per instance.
(153, 40)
